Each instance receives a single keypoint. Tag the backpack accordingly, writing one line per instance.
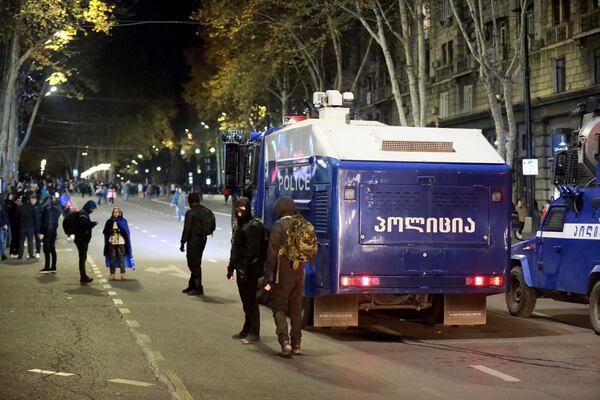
(301, 245)
(70, 223)
(208, 221)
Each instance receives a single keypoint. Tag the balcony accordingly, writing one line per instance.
(590, 21)
(444, 72)
(558, 33)
(465, 64)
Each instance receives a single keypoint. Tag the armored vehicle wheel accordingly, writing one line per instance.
(307, 312)
(595, 307)
(520, 298)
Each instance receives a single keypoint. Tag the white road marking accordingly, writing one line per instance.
(164, 241)
(63, 250)
(130, 382)
(180, 389)
(41, 371)
(387, 330)
(153, 236)
(212, 260)
(495, 373)
(106, 286)
(103, 280)
(124, 311)
(144, 338)
(117, 301)
(174, 271)
(538, 314)
(156, 356)
(137, 227)
(144, 231)
(132, 323)
(176, 245)
(112, 293)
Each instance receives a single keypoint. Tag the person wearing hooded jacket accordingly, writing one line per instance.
(83, 235)
(117, 244)
(199, 223)
(247, 261)
(287, 284)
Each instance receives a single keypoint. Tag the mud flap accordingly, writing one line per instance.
(336, 310)
(464, 309)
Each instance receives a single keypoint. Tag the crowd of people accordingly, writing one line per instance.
(30, 212)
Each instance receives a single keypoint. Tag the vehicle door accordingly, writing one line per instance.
(550, 248)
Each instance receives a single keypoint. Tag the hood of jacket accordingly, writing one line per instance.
(284, 206)
(243, 201)
(89, 206)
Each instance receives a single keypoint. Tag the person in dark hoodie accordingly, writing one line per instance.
(199, 223)
(286, 287)
(27, 224)
(10, 208)
(117, 244)
(48, 233)
(83, 235)
(247, 261)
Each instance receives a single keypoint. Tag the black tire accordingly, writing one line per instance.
(434, 314)
(307, 312)
(520, 298)
(595, 308)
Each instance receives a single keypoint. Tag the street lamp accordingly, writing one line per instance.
(212, 150)
(158, 168)
(146, 170)
(140, 156)
(197, 151)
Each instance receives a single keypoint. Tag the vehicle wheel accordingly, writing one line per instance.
(520, 298)
(595, 308)
(434, 314)
(307, 312)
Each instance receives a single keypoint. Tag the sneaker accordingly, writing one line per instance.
(37, 255)
(250, 339)
(45, 271)
(53, 270)
(86, 279)
(286, 349)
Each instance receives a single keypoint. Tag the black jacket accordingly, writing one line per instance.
(50, 217)
(83, 232)
(26, 216)
(38, 211)
(199, 222)
(247, 248)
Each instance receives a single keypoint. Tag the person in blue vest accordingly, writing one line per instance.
(117, 244)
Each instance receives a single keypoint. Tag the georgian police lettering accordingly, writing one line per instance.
(425, 225)
(296, 181)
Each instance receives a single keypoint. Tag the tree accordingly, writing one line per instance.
(498, 69)
(34, 31)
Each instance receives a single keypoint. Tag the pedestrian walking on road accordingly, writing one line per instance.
(27, 224)
(49, 232)
(247, 261)
(117, 244)
(292, 242)
(199, 223)
(83, 235)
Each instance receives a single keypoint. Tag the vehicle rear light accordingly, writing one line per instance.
(484, 281)
(359, 281)
(496, 196)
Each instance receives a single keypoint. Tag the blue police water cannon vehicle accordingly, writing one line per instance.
(562, 261)
(406, 218)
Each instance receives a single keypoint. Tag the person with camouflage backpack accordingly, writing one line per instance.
(292, 243)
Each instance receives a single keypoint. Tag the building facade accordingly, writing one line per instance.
(564, 60)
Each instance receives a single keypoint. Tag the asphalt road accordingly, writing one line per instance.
(158, 343)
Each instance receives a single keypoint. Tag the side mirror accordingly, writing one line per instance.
(232, 165)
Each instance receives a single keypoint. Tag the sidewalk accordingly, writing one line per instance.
(63, 340)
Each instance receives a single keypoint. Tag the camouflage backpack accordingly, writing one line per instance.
(301, 245)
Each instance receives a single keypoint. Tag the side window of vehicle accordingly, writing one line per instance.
(555, 220)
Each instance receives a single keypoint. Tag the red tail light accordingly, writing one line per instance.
(484, 281)
(359, 281)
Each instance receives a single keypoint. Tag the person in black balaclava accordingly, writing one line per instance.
(247, 260)
(83, 235)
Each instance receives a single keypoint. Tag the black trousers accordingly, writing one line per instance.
(26, 234)
(82, 249)
(195, 250)
(49, 251)
(287, 296)
(247, 285)
(15, 237)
